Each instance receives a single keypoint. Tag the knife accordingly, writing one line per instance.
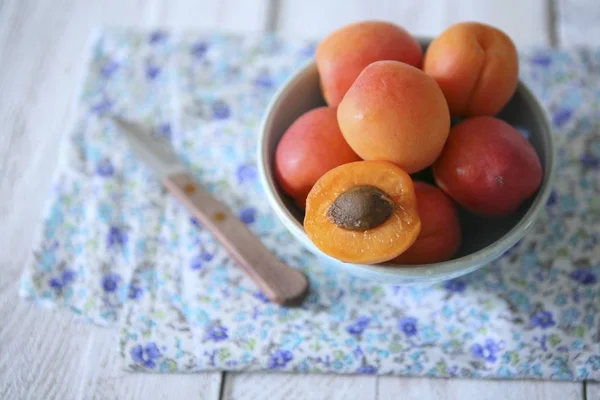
(279, 282)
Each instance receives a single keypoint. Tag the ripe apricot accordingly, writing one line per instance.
(311, 146)
(440, 235)
(395, 112)
(476, 65)
(363, 212)
(342, 55)
(488, 167)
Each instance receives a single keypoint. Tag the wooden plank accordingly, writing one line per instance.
(276, 386)
(592, 390)
(46, 353)
(442, 389)
(577, 22)
(525, 21)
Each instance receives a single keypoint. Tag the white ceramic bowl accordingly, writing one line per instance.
(483, 240)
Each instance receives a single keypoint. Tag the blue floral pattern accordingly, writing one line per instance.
(114, 248)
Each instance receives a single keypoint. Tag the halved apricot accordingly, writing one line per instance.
(363, 212)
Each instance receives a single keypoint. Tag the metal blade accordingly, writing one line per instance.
(153, 151)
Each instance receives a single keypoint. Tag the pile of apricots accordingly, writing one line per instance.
(355, 166)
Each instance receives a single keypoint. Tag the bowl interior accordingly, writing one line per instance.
(302, 93)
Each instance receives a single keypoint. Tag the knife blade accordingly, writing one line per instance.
(281, 283)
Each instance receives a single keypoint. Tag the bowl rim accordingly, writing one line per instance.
(441, 270)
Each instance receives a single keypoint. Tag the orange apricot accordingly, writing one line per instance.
(395, 112)
(440, 235)
(476, 65)
(363, 212)
(488, 167)
(342, 55)
(310, 147)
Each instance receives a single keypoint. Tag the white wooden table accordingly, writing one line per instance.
(47, 354)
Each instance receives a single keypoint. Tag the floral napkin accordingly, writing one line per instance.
(115, 248)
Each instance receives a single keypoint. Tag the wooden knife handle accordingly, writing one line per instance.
(279, 282)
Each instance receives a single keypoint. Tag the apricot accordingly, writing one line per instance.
(311, 146)
(488, 167)
(363, 212)
(395, 112)
(342, 55)
(440, 235)
(476, 65)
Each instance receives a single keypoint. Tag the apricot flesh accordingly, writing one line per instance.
(380, 243)
(311, 146)
(395, 112)
(476, 65)
(342, 55)
(440, 235)
(488, 167)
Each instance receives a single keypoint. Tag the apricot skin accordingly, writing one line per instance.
(342, 55)
(370, 246)
(440, 235)
(488, 167)
(395, 112)
(310, 147)
(476, 65)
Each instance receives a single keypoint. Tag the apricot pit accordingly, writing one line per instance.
(361, 208)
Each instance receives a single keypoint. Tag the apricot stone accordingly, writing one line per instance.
(342, 55)
(395, 112)
(310, 147)
(476, 65)
(488, 167)
(363, 212)
(440, 235)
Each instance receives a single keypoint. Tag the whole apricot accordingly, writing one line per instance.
(342, 55)
(476, 65)
(363, 212)
(395, 112)
(488, 167)
(440, 235)
(310, 147)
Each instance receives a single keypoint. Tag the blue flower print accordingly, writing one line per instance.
(408, 325)
(102, 106)
(110, 282)
(116, 237)
(152, 71)
(198, 262)
(164, 131)
(367, 369)
(552, 199)
(216, 333)
(542, 319)
(220, 110)
(246, 173)
(105, 168)
(109, 69)
(561, 116)
(63, 280)
(195, 222)
(358, 326)
(263, 80)
(261, 296)
(280, 358)
(455, 285)
(542, 60)
(135, 292)
(488, 352)
(248, 215)
(589, 161)
(157, 37)
(584, 276)
(199, 49)
(146, 355)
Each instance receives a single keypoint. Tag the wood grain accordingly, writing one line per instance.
(446, 389)
(577, 22)
(274, 386)
(525, 21)
(592, 390)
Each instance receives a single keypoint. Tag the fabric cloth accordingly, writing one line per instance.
(116, 249)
